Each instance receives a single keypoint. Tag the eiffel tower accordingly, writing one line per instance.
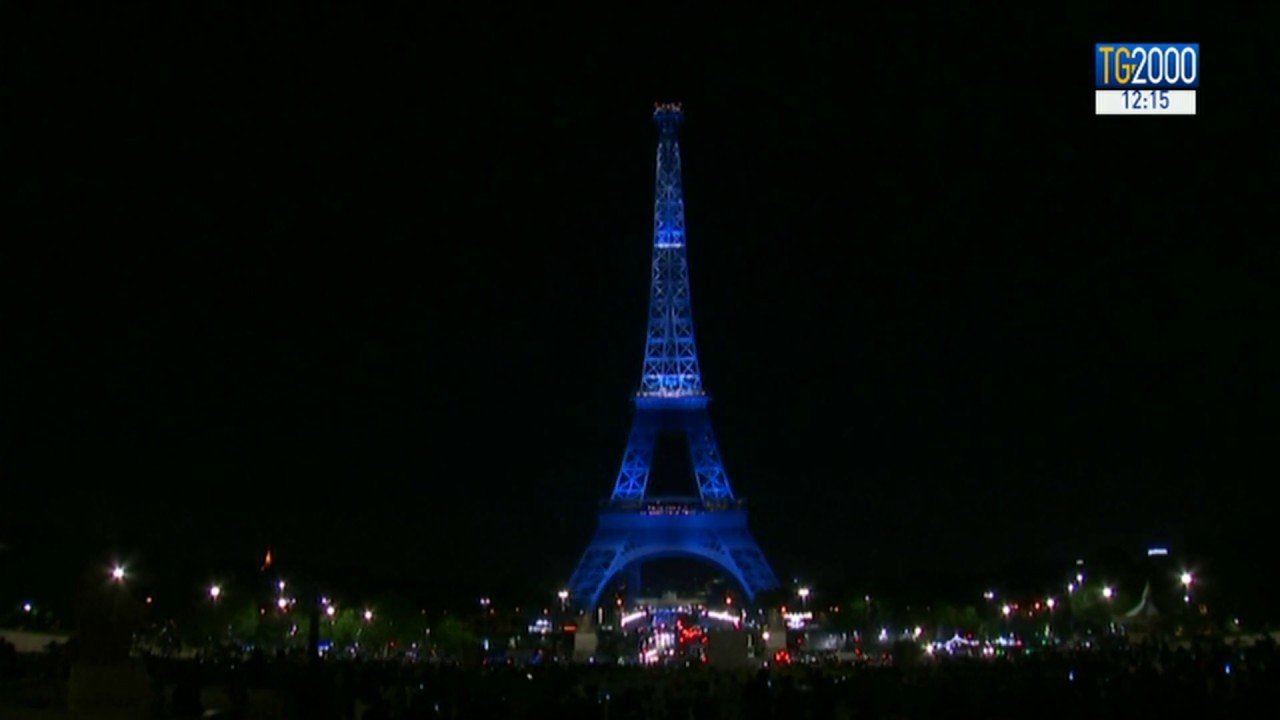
(634, 527)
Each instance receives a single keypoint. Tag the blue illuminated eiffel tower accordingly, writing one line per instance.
(635, 528)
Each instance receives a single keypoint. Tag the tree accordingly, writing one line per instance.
(971, 622)
(400, 621)
(343, 629)
(454, 639)
(246, 623)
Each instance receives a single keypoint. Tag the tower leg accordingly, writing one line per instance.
(633, 476)
(713, 482)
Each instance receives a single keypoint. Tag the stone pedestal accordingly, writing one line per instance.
(115, 690)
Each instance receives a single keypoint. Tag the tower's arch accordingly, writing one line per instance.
(717, 537)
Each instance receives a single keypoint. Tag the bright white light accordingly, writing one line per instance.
(563, 595)
(765, 636)
(1071, 587)
(1186, 578)
(280, 585)
(214, 591)
(1051, 603)
(917, 632)
(803, 593)
(368, 615)
(282, 603)
(797, 621)
(26, 607)
(723, 616)
(1157, 552)
(1108, 591)
(1005, 610)
(1079, 577)
(989, 595)
(628, 619)
(117, 573)
(331, 611)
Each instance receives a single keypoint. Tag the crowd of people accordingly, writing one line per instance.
(1202, 681)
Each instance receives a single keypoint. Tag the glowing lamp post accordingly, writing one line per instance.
(804, 596)
(117, 574)
(1186, 579)
(330, 610)
(1108, 592)
(215, 592)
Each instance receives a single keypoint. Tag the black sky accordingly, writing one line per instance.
(370, 289)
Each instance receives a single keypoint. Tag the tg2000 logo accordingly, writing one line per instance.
(1156, 66)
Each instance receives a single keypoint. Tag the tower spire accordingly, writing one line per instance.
(671, 368)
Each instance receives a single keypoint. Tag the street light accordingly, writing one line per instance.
(1050, 602)
(215, 592)
(1186, 578)
(368, 616)
(330, 610)
(1006, 610)
(117, 573)
(1108, 591)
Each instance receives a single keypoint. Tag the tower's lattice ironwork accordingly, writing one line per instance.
(633, 527)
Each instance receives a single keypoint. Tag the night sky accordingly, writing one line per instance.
(370, 289)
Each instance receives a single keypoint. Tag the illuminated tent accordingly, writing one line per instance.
(1145, 609)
